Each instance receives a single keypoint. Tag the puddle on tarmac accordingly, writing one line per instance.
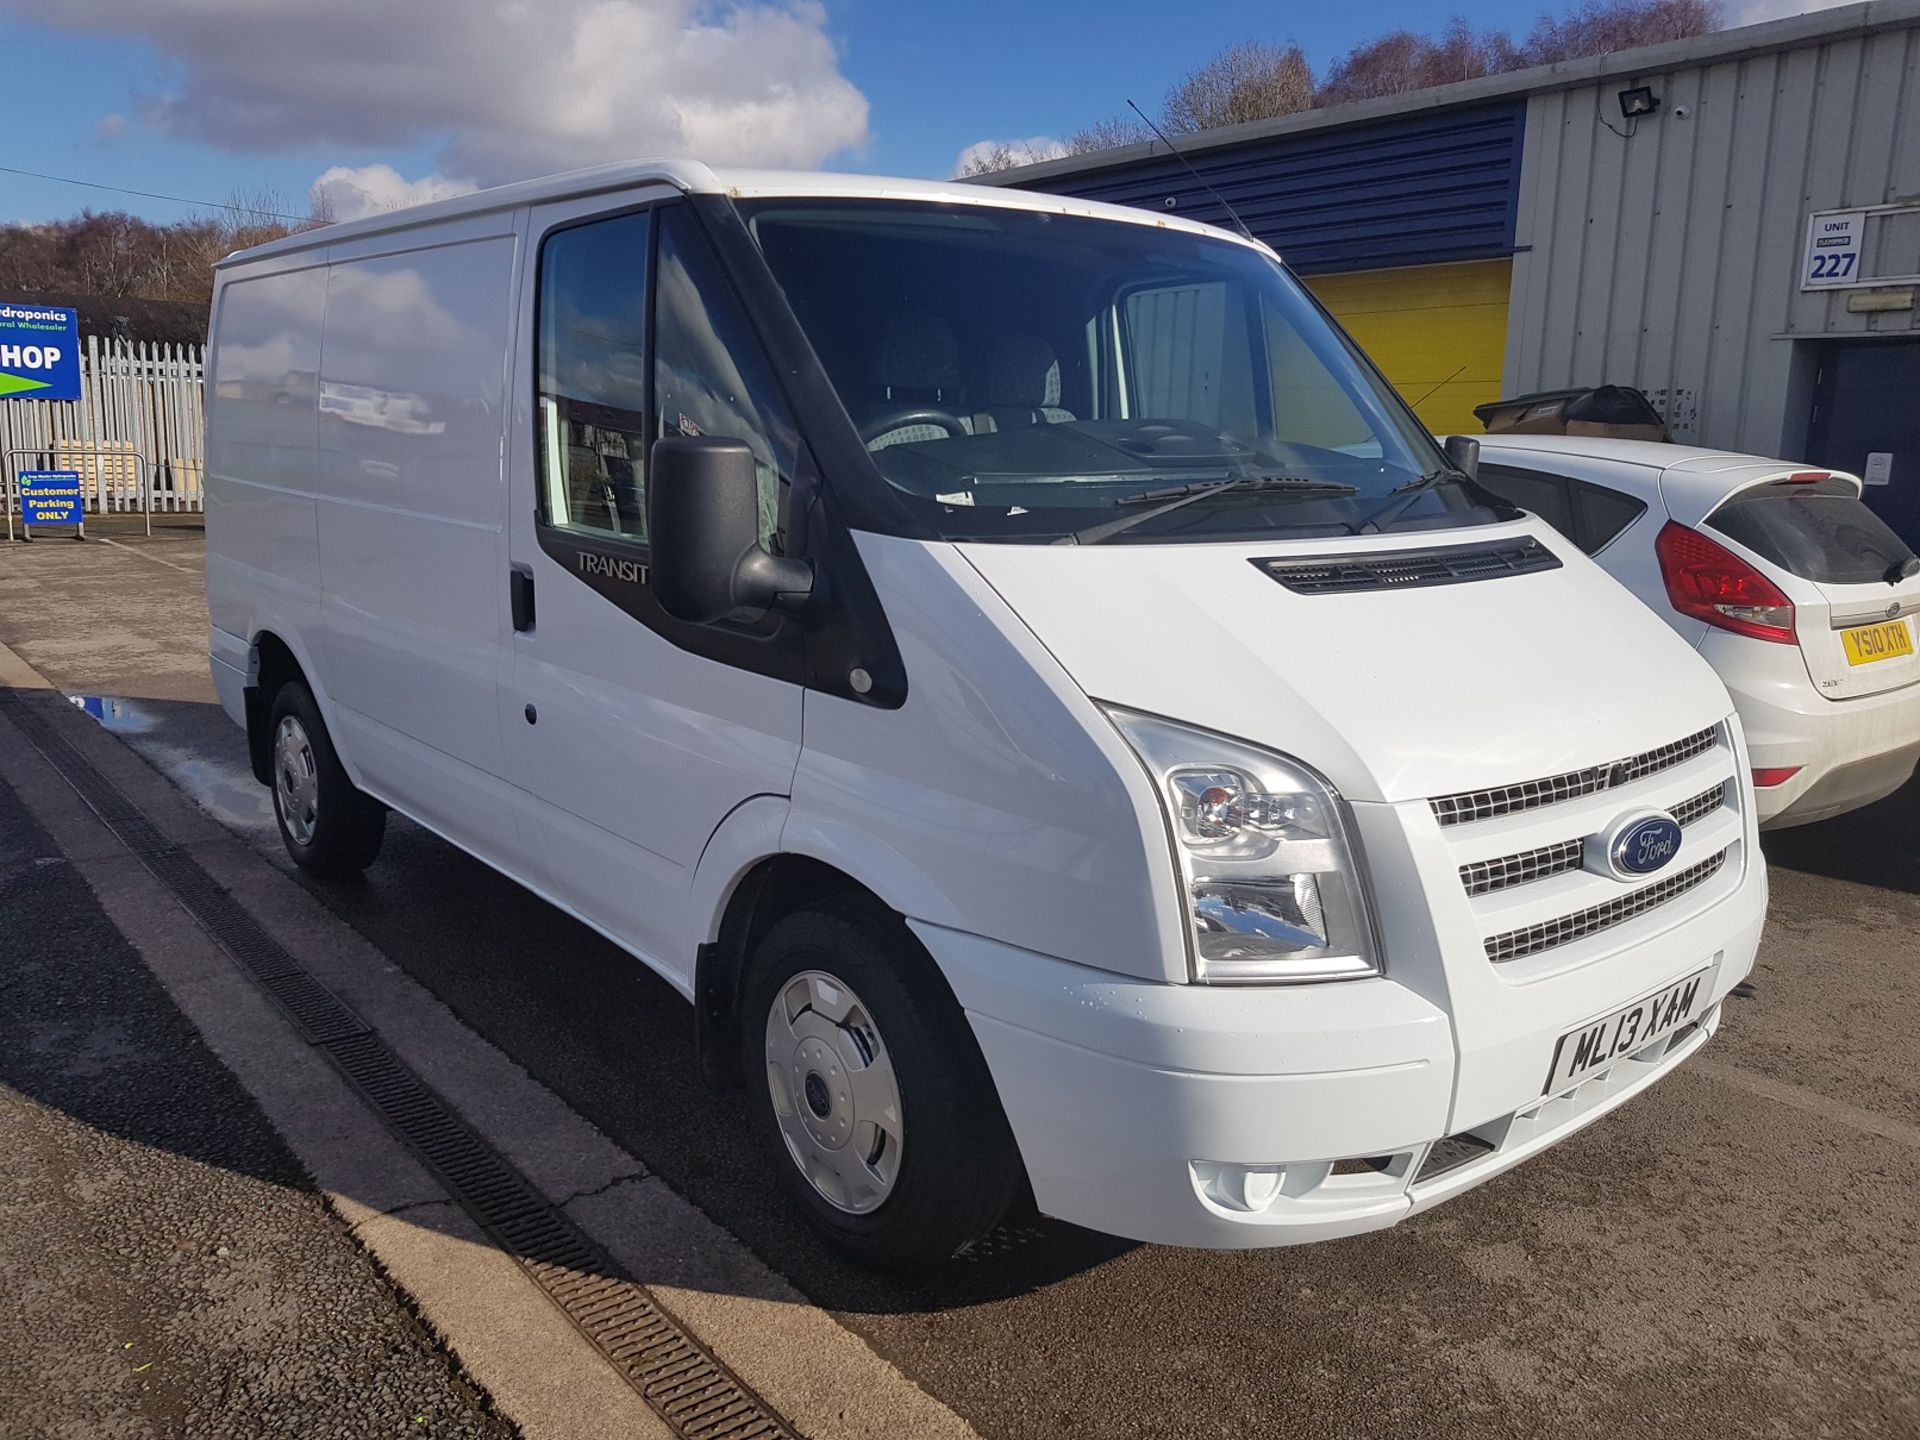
(123, 717)
(226, 790)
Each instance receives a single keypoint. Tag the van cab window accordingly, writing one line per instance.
(1026, 375)
(592, 398)
(711, 376)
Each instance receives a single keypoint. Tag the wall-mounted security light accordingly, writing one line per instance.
(1638, 101)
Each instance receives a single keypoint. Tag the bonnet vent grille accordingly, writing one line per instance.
(1409, 569)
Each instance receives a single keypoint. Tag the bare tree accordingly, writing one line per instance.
(1250, 81)
(1598, 26)
(999, 157)
(1402, 61)
(1108, 134)
(116, 255)
(1256, 81)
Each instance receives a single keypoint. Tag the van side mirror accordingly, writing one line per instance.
(703, 528)
(1463, 453)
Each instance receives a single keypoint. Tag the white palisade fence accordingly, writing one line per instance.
(141, 415)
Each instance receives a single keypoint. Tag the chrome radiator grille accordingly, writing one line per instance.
(1483, 877)
(1471, 805)
(1705, 803)
(1518, 944)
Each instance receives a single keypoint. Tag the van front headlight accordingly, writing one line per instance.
(1269, 874)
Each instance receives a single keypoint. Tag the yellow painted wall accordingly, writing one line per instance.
(1423, 323)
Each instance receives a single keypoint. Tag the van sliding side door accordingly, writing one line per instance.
(635, 734)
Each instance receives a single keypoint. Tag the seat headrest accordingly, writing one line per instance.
(1023, 370)
(916, 352)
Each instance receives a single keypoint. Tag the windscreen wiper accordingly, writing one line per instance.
(1403, 497)
(1176, 496)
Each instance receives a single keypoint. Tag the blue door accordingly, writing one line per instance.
(1866, 419)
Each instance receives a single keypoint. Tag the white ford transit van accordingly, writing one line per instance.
(1009, 661)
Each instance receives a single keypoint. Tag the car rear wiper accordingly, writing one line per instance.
(1173, 498)
(1403, 497)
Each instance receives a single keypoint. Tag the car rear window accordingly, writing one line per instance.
(1817, 530)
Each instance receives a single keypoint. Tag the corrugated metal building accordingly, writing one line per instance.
(1521, 233)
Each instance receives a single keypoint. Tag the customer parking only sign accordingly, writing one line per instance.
(50, 497)
(39, 352)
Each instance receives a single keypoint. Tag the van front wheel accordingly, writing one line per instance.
(330, 827)
(872, 1100)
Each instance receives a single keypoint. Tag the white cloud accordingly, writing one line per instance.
(350, 192)
(1752, 12)
(111, 127)
(1001, 153)
(501, 89)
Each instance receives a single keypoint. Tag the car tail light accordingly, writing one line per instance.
(1711, 583)
(1778, 775)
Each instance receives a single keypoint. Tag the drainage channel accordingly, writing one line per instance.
(692, 1391)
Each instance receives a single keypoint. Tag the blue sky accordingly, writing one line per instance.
(199, 98)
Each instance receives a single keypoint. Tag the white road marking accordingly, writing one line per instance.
(1811, 1101)
(183, 569)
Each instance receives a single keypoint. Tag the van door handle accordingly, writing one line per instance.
(520, 593)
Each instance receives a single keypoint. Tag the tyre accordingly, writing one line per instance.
(871, 1099)
(330, 828)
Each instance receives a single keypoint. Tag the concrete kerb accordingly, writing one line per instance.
(822, 1376)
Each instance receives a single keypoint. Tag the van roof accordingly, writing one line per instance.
(695, 178)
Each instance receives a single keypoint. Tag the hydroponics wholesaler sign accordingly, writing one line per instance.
(39, 352)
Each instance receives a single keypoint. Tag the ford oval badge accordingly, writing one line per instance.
(1644, 844)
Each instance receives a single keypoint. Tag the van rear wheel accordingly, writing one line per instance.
(870, 1097)
(329, 826)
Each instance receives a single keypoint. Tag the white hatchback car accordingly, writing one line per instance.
(1797, 594)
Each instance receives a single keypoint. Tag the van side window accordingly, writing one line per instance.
(592, 396)
(710, 375)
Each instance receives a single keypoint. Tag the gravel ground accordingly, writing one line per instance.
(1735, 1253)
(167, 1269)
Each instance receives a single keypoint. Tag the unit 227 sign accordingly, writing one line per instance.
(1833, 249)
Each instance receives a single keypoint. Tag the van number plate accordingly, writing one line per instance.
(1867, 643)
(1595, 1046)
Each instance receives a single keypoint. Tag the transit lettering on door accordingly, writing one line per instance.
(612, 567)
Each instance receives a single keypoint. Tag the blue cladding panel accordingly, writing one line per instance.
(1442, 185)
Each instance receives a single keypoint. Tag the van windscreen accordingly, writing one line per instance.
(1818, 530)
(1020, 374)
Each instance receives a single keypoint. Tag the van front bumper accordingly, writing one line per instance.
(1118, 1088)
(1242, 1117)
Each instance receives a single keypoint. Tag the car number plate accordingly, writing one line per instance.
(1888, 640)
(1597, 1044)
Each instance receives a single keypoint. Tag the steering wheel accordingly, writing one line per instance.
(905, 415)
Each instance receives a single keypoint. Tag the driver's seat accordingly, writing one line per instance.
(917, 363)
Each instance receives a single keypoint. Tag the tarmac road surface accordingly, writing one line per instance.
(1734, 1253)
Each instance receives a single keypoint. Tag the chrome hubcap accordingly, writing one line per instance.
(834, 1092)
(296, 780)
